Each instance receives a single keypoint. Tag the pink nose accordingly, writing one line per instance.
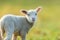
(33, 19)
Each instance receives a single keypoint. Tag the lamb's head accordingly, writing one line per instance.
(31, 15)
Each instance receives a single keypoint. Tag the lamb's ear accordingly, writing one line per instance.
(38, 9)
(24, 11)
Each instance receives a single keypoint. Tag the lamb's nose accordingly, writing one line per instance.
(33, 19)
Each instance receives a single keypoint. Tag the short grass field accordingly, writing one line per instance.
(47, 26)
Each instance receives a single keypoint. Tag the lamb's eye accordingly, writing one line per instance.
(28, 14)
(36, 14)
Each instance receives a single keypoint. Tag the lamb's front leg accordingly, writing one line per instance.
(23, 35)
(14, 37)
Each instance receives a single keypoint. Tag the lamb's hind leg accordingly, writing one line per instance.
(9, 29)
(8, 36)
(1, 35)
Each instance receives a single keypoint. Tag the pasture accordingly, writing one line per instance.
(47, 26)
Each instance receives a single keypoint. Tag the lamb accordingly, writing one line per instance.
(18, 25)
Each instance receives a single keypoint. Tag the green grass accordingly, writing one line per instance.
(47, 26)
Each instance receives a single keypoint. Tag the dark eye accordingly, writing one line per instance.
(36, 14)
(28, 14)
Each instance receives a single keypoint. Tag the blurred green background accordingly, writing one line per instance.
(47, 26)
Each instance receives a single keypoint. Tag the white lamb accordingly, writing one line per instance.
(17, 25)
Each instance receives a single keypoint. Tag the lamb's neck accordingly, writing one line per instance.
(29, 22)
